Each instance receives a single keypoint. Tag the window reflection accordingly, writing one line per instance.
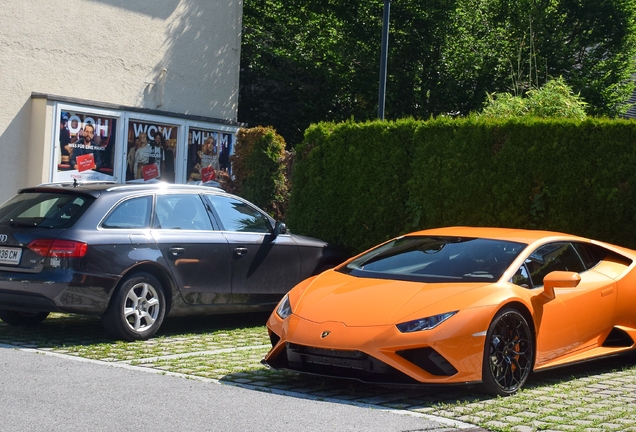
(238, 216)
(132, 213)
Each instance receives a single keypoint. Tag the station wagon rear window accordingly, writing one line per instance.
(44, 209)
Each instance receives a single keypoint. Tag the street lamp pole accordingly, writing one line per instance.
(383, 59)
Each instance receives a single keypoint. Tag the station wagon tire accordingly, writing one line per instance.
(18, 318)
(136, 309)
(508, 353)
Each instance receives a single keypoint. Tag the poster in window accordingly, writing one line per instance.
(151, 143)
(86, 147)
(208, 155)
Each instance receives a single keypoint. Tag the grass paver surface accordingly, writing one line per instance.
(598, 395)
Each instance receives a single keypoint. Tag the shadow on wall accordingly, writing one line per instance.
(200, 44)
(161, 9)
(15, 153)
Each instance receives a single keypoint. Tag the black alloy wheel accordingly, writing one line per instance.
(508, 353)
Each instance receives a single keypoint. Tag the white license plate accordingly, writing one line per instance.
(10, 256)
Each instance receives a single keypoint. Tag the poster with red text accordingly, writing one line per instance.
(85, 147)
(208, 150)
(151, 143)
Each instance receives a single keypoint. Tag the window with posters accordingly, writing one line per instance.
(86, 146)
(102, 143)
(208, 153)
(151, 151)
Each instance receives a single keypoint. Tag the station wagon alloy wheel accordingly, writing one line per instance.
(137, 309)
(142, 307)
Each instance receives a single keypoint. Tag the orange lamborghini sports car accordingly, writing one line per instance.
(460, 305)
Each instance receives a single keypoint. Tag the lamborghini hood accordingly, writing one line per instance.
(356, 301)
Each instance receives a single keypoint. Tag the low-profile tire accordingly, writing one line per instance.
(508, 353)
(136, 309)
(18, 318)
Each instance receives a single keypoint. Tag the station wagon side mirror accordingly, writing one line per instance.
(559, 279)
(280, 228)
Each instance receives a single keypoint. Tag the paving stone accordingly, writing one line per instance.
(612, 426)
(470, 419)
(497, 424)
(596, 417)
(553, 419)
(523, 428)
(609, 392)
(626, 421)
(527, 414)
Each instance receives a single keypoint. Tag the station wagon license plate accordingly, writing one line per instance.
(10, 256)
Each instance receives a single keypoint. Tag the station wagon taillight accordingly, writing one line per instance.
(58, 248)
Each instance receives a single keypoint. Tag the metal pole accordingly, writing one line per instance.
(383, 59)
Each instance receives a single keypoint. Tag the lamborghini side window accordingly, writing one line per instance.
(590, 254)
(522, 278)
(553, 257)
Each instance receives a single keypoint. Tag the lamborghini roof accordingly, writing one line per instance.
(510, 234)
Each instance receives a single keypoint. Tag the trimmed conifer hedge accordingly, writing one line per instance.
(358, 184)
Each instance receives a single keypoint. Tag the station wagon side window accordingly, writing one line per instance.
(235, 215)
(561, 256)
(182, 211)
(133, 213)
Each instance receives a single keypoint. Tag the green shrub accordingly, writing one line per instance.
(554, 99)
(258, 166)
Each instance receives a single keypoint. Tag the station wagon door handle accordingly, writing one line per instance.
(176, 251)
(240, 251)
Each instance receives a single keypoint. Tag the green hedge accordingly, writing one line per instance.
(357, 184)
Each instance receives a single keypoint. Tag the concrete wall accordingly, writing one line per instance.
(177, 56)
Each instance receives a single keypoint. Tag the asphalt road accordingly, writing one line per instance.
(43, 392)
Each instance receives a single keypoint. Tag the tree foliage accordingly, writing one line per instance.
(305, 61)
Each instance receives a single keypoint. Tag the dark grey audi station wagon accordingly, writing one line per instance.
(133, 254)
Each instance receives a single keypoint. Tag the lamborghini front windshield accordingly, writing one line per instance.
(437, 259)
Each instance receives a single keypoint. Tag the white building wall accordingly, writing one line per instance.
(177, 56)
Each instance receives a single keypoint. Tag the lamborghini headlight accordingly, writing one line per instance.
(424, 323)
(284, 308)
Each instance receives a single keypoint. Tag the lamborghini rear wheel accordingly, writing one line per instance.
(508, 353)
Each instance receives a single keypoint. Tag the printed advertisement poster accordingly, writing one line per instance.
(151, 151)
(208, 154)
(86, 147)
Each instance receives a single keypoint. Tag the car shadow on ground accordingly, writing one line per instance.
(68, 330)
(426, 396)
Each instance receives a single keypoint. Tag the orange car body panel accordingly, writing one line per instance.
(360, 314)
